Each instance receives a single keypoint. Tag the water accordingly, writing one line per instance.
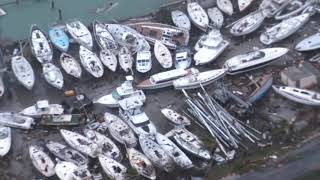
(16, 24)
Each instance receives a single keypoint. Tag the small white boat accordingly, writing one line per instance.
(64, 170)
(15, 120)
(70, 65)
(40, 46)
(298, 95)
(52, 75)
(310, 43)
(112, 168)
(244, 4)
(225, 6)
(156, 153)
(125, 59)
(143, 61)
(175, 117)
(42, 108)
(284, 29)
(120, 131)
(198, 15)
(23, 71)
(253, 60)
(109, 59)
(141, 164)
(80, 143)
(5, 140)
(182, 58)
(178, 156)
(216, 16)
(248, 24)
(201, 78)
(103, 37)
(80, 33)
(41, 161)
(191, 143)
(162, 54)
(91, 62)
(180, 19)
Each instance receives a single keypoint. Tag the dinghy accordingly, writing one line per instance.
(40, 46)
(112, 168)
(80, 33)
(191, 143)
(143, 61)
(64, 170)
(141, 164)
(70, 65)
(284, 29)
(165, 79)
(225, 6)
(59, 39)
(103, 37)
(216, 16)
(107, 146)
(156, 153)
(120, 131)
(180, 19)
(175, 117)
(178, 156)
(247, 24)
(5, 140)
(198, 15)
(199, 79)
(162, 54)
(253, 60)
(91, 62)
(244, 4)
(80, 143)
(125, 59)
(66, 153)
(298, 95)
(15, 120)
(310, 43)
(23, 71)
(42, 108)
(41, 161)
(182, 58)
(52, 75)
(108, 59)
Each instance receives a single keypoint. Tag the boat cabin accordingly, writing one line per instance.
(42, 105)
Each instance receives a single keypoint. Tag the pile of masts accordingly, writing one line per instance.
(228, 131)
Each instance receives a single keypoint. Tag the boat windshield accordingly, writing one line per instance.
(254, 55)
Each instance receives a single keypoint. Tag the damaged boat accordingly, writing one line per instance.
(162, 54)
(41, 161)
(125, 59)
(59, 38)
(248, 24)
(70, 65)
(91, 62)
(52, 75)
(225, 6)
(112, 168)
(23, 71)
(175, 117)
(183, 58)
(310, 43)
(103, 37)
(109, 59)
(80, 33)
(5, 140)
(180, 19)
(141, 164)
(42, 108)
(40, 46)
(62, 120)
(15, 120)
(198, 15)
(216, 16)
(143, 61)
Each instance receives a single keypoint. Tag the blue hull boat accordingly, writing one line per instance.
(59, 39)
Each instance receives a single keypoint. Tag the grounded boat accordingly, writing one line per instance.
(180, 19)
(59, 39)
(191, 143)
(199, 79)
(23, 71)
(175, 117)
(156, 154)
(248, 24)
(42, 108)
(66, 153)
(15, 120)
(109, 59)
(310, 43)
(271, 7)
(141, 164)
(80, 33)
(52, 75)
(91, 62)
(253, 60)
(143, 61)
(40, 46)
(244, 4)
(225, 6)
(301, 96)
(165, 79)
(216, 16)
(170, 36)
(162, 54)
(198, 15)
(5, 140)
(64, 170)
(284, 29)
(112, 168)
(70, 65)
(41, 161)
(182, 58)
(80, 143)
(178, 156)
(120, 131)
(103, 37)
(125, 59)
(62, 120)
